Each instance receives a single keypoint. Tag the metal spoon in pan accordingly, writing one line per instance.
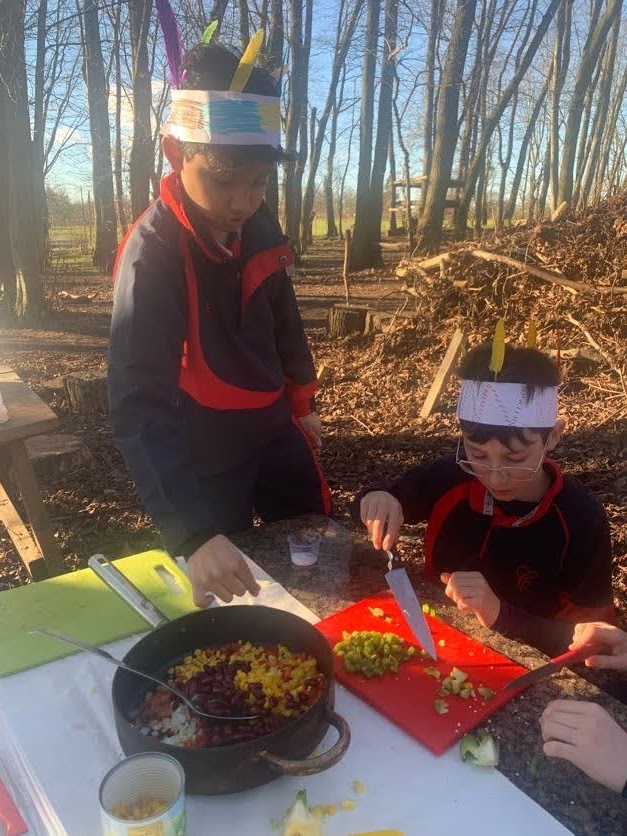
(98, 651)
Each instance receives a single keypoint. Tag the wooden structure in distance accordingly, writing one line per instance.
(28, 416)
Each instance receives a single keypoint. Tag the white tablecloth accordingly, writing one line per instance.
(58, 738)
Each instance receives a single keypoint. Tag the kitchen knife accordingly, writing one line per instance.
(556, 664)
(406, 598)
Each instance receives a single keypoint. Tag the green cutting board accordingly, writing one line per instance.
(82, 606)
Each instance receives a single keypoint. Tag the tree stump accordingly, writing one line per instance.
(55, 454)
(343, 321)
(86, 393)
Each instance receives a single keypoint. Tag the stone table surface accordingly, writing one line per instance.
(349, 569)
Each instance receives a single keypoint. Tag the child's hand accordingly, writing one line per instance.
(218, 568)
(585, 734)
(382, 515)
(614, 639)
(471, 591)
(313, 428)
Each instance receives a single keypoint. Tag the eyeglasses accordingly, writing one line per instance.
(512, 472)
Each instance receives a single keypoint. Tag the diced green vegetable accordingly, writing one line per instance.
(534, 766)
(480, 748)
(441, 706)
(485, 692)
(377, 612)
(434, 672)
(372, 653)
(467, 690)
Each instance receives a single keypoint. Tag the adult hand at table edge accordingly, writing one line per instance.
(587, 736)
(218, 568)
(614, 639)
(382, 515)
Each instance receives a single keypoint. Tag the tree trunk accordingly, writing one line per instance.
(117, 165)
(343, 321)
(97, 96)
(559, 69)
(39, 132)
(7, 268)
(435, 29)
(522, 65)
(372, 254)
(360, 256)
(244, 25)
(589, 57)
(409, 220)
(602, 120)
(332, 230)
(510, 209)
(300, 44)
(609, 135)
(86, 393)
(142, 149)
(344, 34)
(447, 129)
(276, 44)
(24, 280)
(392, 225)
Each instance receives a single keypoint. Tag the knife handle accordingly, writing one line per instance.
(578, 654)
(10, 816)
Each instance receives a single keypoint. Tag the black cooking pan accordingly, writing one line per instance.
(233, 767)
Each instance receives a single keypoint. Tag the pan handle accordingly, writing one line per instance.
(310, 766)
(121, 585)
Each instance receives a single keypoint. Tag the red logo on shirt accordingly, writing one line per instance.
(525, 576)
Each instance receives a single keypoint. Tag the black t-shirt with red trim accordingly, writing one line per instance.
(549, 563)
(208, 359)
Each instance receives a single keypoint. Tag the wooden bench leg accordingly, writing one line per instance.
(27, 548)
(37, 515)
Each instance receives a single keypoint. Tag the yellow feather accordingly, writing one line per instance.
(532, 334)
(498, 347)
(247, 62)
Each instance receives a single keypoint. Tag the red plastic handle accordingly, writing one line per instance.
(10, 815)
(578, 654)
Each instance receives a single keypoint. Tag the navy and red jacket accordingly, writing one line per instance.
(550, 563)
(208, 359)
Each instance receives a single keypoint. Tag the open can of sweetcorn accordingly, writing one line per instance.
(143, 795)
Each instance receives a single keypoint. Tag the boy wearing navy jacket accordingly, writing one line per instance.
(211, 379)
(514, 540)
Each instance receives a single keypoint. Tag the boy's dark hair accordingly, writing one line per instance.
(521, 365)
(212, 67)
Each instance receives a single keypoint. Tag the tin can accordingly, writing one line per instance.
(143, 795)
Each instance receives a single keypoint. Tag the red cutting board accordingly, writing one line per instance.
(407, 698)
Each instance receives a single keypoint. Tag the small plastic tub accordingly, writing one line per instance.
(304, 546)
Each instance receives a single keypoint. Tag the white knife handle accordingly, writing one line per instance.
(121, 585)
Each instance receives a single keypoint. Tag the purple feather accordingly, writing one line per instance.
(172, 40)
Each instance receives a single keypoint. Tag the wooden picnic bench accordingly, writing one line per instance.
(28, 416)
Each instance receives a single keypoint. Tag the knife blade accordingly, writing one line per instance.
(407, 600)
(556, 664)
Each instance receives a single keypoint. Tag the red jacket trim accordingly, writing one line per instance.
(481, 500)
(262, 265)
(196, 377)
(441, 510)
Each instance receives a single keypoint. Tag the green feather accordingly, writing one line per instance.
(208, 34)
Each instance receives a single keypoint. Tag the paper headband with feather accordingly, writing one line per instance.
(503, 404)
(217, 117)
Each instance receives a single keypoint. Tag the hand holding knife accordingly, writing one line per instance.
(571, 657)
